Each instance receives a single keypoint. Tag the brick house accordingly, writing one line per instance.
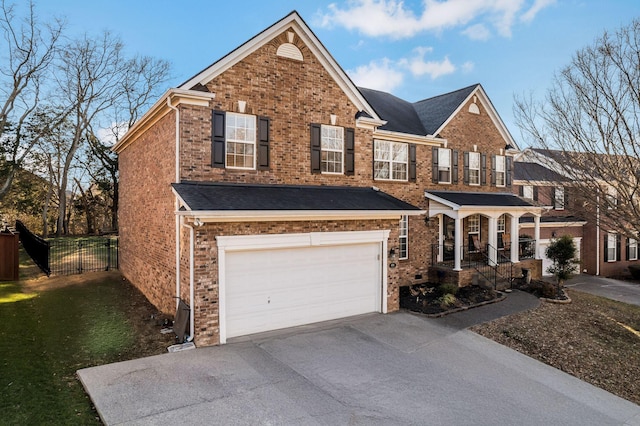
(601, 251)
(269, 191)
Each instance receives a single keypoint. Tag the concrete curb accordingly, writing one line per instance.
(558, 301)
(461, 309)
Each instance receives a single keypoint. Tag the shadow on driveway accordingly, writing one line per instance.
(371, 370)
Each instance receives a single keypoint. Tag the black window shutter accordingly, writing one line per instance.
(483, 166)
(315, 148)
(535, 193)
(465, 171)
(626, 249)
(217, 138)
(553, 197)
(618, 247)
(493, 170)
(454, 167)
(412, 162)
(566, 198)
(606, 247)
(508, 166)
(349, 152)
(434, 165)
(521, 191)
(263, 143)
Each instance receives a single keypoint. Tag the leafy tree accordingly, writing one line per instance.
(589, 123)
(562, 251)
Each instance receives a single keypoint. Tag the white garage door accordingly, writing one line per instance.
(546, 262)
(284, 287)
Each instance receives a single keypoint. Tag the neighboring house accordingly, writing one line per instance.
(601, 251)
(268, 191)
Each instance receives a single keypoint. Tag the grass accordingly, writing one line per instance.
(53, 327)
(594, 339)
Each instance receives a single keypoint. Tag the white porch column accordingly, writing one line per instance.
(536, 235)
(515, 258)
(458, 244)
(493, 241)
(440, 257)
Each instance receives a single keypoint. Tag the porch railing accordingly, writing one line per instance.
(443, 254)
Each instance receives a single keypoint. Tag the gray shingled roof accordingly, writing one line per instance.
(399, 114)
(207, 196)
(433, 112)
(419, 118)
(536, 172)
(487, 199)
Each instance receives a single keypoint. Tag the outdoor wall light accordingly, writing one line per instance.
(392, 253)
(198, 222)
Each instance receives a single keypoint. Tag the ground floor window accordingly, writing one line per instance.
(404, 237)
(610, 247)
(473, 231)
(502, 227)
(632, 249)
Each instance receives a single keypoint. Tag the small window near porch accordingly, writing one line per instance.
(473, 226)
(403, 239)
(501, 231)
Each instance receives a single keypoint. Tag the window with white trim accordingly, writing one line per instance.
(444, 165)
(404, 238)
(474, 168)
(558, 199)
(632, 250)
(332, 149)
(391, 160)
(473, 231)
(500, 170)
(527, 191)
(612, 197)
(502, 226)
(611, 247)
(241, 141)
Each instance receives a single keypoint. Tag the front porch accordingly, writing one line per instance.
(478, 238)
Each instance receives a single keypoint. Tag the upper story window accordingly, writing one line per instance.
(558, 198)
(332, 146)
(612, 197)
(404, 238)
(444, 165)
(527, 191)
(241, 141)
(391, 160)
(500, 170)
(474, 168)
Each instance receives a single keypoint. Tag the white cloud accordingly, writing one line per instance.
(537, 6)
(380, 75)
(477, 32)
(419, 67)
(468, 67)
(391, 18)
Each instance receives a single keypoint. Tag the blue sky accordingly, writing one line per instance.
(414, 49)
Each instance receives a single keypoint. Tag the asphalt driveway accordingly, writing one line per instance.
(370, 370)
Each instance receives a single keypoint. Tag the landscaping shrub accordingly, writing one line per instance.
(447, 300)
(448, 288)
(635, 271)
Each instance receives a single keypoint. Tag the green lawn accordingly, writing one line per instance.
(49, 333)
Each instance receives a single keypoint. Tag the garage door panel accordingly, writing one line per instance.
(272, 289)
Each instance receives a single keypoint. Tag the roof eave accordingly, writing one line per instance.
(209, 216)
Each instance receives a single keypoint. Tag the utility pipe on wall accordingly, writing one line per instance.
(176, 206)
(191, 281)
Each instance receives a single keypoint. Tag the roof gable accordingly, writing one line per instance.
(296, 23)
(399, 114)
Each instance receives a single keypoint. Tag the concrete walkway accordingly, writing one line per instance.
(622, 291)
(393, 369)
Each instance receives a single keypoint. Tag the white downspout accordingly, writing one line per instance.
(176, 206)
(191, 281)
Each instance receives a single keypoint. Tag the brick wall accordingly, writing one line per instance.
(146, 214)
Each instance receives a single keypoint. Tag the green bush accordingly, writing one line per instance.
(634, 270)
(448, 288)
(447, 300)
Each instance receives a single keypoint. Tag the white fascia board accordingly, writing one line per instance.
(312, 239)
(369, 123)
(442, 201)
(493, 114)
(293, 215)
(159, 109)
(409, 138)
(554, 224)
(311, 41)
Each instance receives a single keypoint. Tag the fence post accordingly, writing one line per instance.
(108, 244)
(79, 257)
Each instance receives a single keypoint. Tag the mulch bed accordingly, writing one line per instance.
(432, 299)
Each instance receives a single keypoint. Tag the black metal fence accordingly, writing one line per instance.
(77, 255)
(35, 247)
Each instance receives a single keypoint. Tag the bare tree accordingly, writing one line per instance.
(589, 125)
(27, 51)
(90, 75)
